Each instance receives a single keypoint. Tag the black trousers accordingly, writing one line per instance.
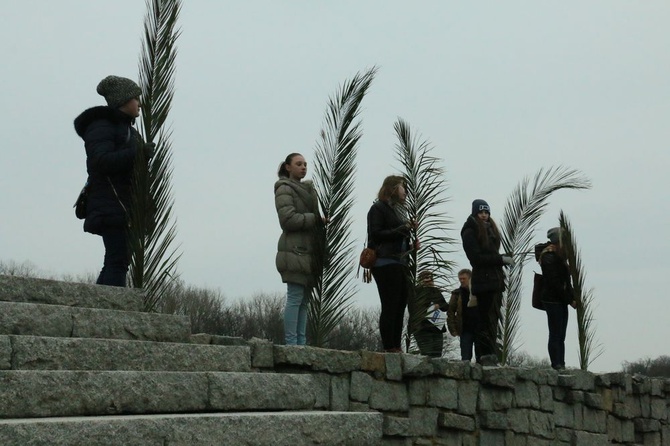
(393, 286)
(489, 305)
(117, 259)
(557, 321)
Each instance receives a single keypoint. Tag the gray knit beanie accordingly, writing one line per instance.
(118, 90)
(554, 235)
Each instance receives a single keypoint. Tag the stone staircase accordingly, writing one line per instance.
(82, 365)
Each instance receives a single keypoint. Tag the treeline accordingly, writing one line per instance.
(657, 367)
(262, 316)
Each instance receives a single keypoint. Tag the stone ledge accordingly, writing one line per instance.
(260, 429)
(61, 321)
(53, 292)
(48, 353)
(71, 393)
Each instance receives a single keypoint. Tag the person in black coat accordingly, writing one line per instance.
(389, 234)
(111, 145)
(481, 242)
(556, 295)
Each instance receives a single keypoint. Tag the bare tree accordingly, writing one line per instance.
(657, 367)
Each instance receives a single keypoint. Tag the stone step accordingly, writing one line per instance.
(37, 393)
(49, 353)
(53, 292)
(231, 429)
(18, 318)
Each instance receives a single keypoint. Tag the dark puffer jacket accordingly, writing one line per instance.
(556, 283)
(487, 264)
(111, 144)
(299, 246)
(388, 233)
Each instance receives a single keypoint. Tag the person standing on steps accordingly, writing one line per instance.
(427, 311)
(481, 242)
(389, 232)
(298, 256)
(463, 315)
(112, 145)
(557, 293)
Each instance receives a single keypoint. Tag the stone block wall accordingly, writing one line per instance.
(441, 402)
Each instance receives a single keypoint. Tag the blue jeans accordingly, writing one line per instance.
(467, 342)
(557, 320)
(295, 314)
(115, 266)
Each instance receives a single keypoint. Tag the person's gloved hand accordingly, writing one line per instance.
(149, 150)
(508, 260)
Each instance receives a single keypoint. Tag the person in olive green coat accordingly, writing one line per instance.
(297, 252)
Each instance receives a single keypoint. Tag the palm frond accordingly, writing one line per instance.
(152, 229)
(426, 188)
(523, 210)
(335, 171)
(589, 350)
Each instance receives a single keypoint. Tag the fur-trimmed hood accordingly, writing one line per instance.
(92, 114)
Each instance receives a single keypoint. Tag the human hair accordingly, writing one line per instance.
(426, 275)
(483, 236)
(465, 271)
(282, 172)
(389, 189)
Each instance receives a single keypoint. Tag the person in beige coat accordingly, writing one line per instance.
(297, 257)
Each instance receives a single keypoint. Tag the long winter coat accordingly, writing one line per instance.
(487, 263)
(111, 144)
(388, 233)
(298, 212)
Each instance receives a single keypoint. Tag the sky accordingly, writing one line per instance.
(499, 90)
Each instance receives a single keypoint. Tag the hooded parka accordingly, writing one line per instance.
(111, 144)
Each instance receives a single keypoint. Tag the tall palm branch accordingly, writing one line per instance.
(426, 189)
(523, 210)
(335, 170)
(152, 230)
(583, 297)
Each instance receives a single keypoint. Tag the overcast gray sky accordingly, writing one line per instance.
(500, 89)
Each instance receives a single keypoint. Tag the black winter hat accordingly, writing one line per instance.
(118, 90)
(480, 205)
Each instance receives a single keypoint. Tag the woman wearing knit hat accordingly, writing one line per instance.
(556, 293)
(111, 145)
(481, 242)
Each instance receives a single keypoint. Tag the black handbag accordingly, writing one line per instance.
(80, 204)
(537, 291)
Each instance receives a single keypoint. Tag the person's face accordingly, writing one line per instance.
(297, 168)
(131, 108)
(401, 193)
(427, 280)
(483, 215)
(464, 280)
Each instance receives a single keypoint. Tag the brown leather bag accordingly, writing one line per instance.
(368, 258)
